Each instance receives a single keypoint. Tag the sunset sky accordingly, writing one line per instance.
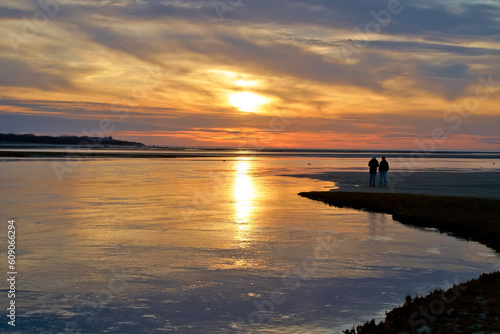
(256, 73)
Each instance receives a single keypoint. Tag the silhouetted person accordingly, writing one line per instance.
(373, 164)
(383, 169)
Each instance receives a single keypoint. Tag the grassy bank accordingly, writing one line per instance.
(471, 307)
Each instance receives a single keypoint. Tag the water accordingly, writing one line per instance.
(206, 246)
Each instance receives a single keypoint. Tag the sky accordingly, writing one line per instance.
(357, 74)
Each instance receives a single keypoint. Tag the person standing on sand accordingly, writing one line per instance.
(373, 164)
(383, 169)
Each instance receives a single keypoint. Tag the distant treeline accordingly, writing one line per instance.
(12, 138)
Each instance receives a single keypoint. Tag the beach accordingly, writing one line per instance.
(475, 183)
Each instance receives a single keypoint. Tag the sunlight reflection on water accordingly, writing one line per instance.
(199, 242)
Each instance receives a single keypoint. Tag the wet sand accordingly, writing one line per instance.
(450, 183)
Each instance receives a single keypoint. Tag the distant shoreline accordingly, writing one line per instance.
(83, 141)
(124, 151)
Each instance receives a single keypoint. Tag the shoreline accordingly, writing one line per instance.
(482, 183)
(477, 300)
(112, 151)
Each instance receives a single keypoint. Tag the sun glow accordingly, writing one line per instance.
(245, 83)
(246, 101)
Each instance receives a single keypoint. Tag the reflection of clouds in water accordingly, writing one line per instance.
(381, 238)
(492, 255)
(434, 250)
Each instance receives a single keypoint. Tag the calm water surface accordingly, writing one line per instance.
(206, 246)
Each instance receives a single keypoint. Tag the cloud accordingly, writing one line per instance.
(12, 13)
(94, 52)
(450, 80)
(17, 73)
(489, 140)
(164, 119)
(423, 47)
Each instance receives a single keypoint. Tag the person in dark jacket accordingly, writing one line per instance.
(383, 169)
(373, 164)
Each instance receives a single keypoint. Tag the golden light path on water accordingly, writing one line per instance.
(244, 192)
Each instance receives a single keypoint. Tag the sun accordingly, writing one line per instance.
(246, 101)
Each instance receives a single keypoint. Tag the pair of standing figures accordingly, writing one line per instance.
(383, 168)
